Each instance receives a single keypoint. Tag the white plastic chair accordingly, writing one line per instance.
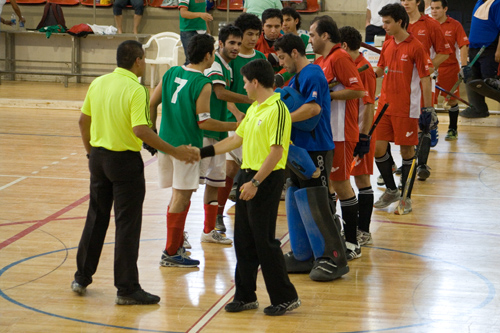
(168, 44)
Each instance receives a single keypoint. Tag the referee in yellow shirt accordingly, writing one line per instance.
(114, 122)
(265, 136)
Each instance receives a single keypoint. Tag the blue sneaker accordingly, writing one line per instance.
(180, 259)
(434, 137)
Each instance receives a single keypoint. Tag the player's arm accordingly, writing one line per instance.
(306, 111)
(203, 112)
(347, 94)
(183, 153)
(230, 96)
(427, 91)
(464, 54)
(84, 124)
(348, 76)
(228, 144)
(236, 113)
(368, 17)
(379, 72)
(439, 59)
(185, 13)
(367, 120)
(154, 102)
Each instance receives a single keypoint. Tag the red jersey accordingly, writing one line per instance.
(339, 66)
(455, 36)
(369, 81)
(263, 46)
(404, 64)
(428, 31)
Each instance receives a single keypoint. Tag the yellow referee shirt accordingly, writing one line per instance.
(117, 102)
(265, 125)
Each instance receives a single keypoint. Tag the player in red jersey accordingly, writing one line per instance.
(449, 69)
(428, 32)
(405, 65)
(339, 67)
(350, 39)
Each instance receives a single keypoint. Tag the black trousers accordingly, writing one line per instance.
(114, 177)
(372, 31)
(255, 242)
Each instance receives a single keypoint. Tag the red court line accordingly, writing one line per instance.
(40, 223)
(43, 222)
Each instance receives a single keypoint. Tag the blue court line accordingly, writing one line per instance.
(8, 298)
(487, 300)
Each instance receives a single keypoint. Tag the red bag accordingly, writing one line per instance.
(80, 30)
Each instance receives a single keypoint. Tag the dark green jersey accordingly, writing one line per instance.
(219, 73)
(237, 85)
(181, 88)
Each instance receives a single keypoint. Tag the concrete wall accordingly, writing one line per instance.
(102, 50)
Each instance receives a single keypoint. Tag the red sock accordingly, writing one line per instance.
(210, 217)
(175, 230)
(223, 194)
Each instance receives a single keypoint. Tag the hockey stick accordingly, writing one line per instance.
(460, 78)
(453, 95)
(402, 202)
(370, 47)
(372, 129)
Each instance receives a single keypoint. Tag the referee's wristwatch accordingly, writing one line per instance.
(255, 182)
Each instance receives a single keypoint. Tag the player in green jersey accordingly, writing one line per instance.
(213, 170)
(185, 97)
(251, 27)
(291, 24)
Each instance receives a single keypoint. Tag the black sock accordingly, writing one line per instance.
(425, 147)
(365, 202)
(350, 209)
(384, 165)
(390, 154)
(453, 113)
(404, 176)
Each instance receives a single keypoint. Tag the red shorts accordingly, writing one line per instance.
(342, 160)
(403, 131)
(447, 77)
(364, 166)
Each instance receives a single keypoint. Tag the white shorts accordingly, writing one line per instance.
(177, 174)
(213, 169)
(238, 152)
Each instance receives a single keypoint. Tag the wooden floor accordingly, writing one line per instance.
(435, 270)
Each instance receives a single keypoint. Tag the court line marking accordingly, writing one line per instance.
(46, 177)
(12, 183)
(212, 312)
(43, 222)
(221, 303)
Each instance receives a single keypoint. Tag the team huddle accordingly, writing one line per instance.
(222, 107)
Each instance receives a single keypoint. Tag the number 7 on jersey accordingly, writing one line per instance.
(181, 83)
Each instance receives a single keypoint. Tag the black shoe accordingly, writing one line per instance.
(238, 306)
(472, 112)
(296, 266)
(280, 309)
(78, 288)
(219, 224)
(137, 298)
(423, 172)
(326, 270)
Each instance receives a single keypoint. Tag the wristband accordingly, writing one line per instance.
(207, 151)
(88, 156)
